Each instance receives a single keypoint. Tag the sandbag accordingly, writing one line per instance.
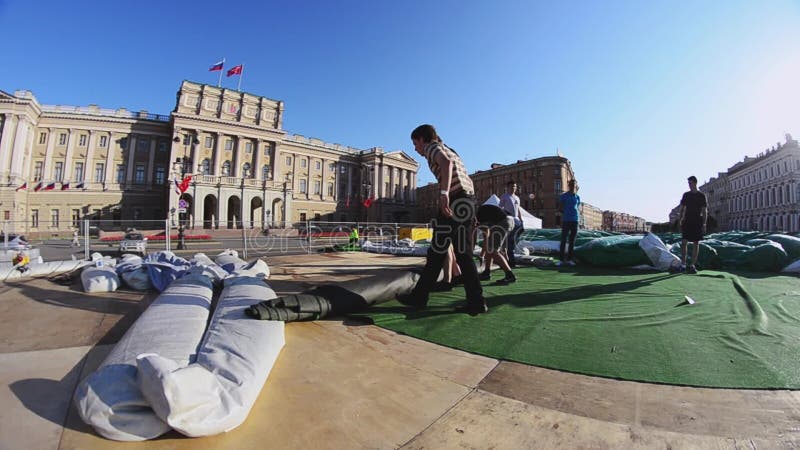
(164, 267)
(215, 394)
(109, 399)
(230, 261)
(99, 278)
(131, 270)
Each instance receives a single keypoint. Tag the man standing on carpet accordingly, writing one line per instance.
(453, 225)
(510, 204)
(694, 211)
(570, 202)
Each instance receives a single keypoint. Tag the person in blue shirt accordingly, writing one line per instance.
(570, 202)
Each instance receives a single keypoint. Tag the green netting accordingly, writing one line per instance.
(613, 251)
(743, 331)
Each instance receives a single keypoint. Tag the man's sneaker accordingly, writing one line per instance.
(509, 278)
(485, 276)
(677, 269)
(691, 269)
(473, 310)
(571, 263)
(412, 300)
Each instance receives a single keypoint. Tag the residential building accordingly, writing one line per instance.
(591, 217)
(624, 222)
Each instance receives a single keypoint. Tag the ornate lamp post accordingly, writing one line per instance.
(183, 166)
(286, 180)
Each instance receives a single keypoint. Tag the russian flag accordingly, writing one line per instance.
(22, 187)
(80, 185)
(51, 186)
(64, 186)
(177, 186)
(217, 66)
(39, 186)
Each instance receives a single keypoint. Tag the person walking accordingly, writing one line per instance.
(570, 202)
(510, 204)
(453, 224)
(497, 226)
(75, 241)
(694, 211)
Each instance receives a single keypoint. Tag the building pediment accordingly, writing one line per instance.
(401, 155)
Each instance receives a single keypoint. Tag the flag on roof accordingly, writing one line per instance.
(81, 185)
(22, 186)
(217, 66)
(235, 70)
(49, 186)
(65, 186)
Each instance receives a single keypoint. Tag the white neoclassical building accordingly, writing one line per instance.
(59, 164)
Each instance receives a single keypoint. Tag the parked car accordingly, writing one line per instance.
(133, 242)
(15, 242)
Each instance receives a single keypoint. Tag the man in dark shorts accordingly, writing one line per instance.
(693, 223)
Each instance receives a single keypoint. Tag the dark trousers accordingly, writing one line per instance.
(448, 231)
(570, 228)
(511, 244)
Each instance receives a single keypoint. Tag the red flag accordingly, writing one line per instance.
(50, 187)
(368, 202)
(185, 184)
(217, 66)
(235, 70)
(23, 186)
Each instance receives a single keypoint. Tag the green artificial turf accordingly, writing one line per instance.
(742, 332)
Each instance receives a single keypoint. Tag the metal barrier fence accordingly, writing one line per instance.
(114, 237)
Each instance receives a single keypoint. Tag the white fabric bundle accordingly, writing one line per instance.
(10, 272)
(109, 399)
(658, 253)
(230, 261)
(215, 394)
(99, 278)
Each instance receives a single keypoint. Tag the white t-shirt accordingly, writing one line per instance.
(510, 204)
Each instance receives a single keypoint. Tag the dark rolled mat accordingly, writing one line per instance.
(336, 299)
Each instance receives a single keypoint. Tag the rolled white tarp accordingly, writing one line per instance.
(8, 273)
(658, 253)
(99, 278)
(230, 261)
(215, 393)
(173, 325)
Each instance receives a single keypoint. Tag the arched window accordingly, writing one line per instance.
(246, 169)
(226, 168)
(206, 166)
(265, 172)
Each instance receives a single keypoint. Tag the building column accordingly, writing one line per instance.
(9, 129)
(349, 181)
(109, 177)
(390, 194)
(323, 190)
(413, 188)
(47, 170)
(376, 180)
(236, 170)
(217, 170)
(20, 140)
(258, 147)
(89, 164)
(402, 185)
(150, 162)
(67, 173)
(131, 159)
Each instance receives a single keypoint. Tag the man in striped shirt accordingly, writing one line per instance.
(453, 225)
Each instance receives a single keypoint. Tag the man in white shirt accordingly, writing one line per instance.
(510, 204)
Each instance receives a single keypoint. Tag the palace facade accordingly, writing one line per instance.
(61, 164)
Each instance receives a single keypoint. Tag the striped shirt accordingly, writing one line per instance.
(460, 181)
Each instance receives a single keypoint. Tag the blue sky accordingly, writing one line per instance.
(638, 95)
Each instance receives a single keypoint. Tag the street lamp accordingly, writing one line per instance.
(183, 166)
(245, 174)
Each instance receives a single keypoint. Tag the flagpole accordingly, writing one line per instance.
(241, 73)
(219, 82)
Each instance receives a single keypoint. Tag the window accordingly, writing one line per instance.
(332, 167)
(62, 139)
(303, 163)
(330, 189)
(82, 140)
(303, 187)
(386, 192)
(288, 160)
(265, 172)
(159, 175)
(139, 174)
(59, 171)
(318, 165)
(162, 146)
(76, 218)
(42, 137)
(558, 187)
(302, 217)
(228, 144)
(78, 172)
(246, 169)
(121, 173)
(226, 168)
(187, 139)
(209, 141)
(54, 218)
(123, 142)
(37, 171)
(317, 187)
(206, 166)
(103, 141)
(342, 169)
(99, 172)
(142, 144)
(266, 150)
(35, 218)
(6, 215)
(248, 147)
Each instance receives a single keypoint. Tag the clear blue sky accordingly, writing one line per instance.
(638, 95)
